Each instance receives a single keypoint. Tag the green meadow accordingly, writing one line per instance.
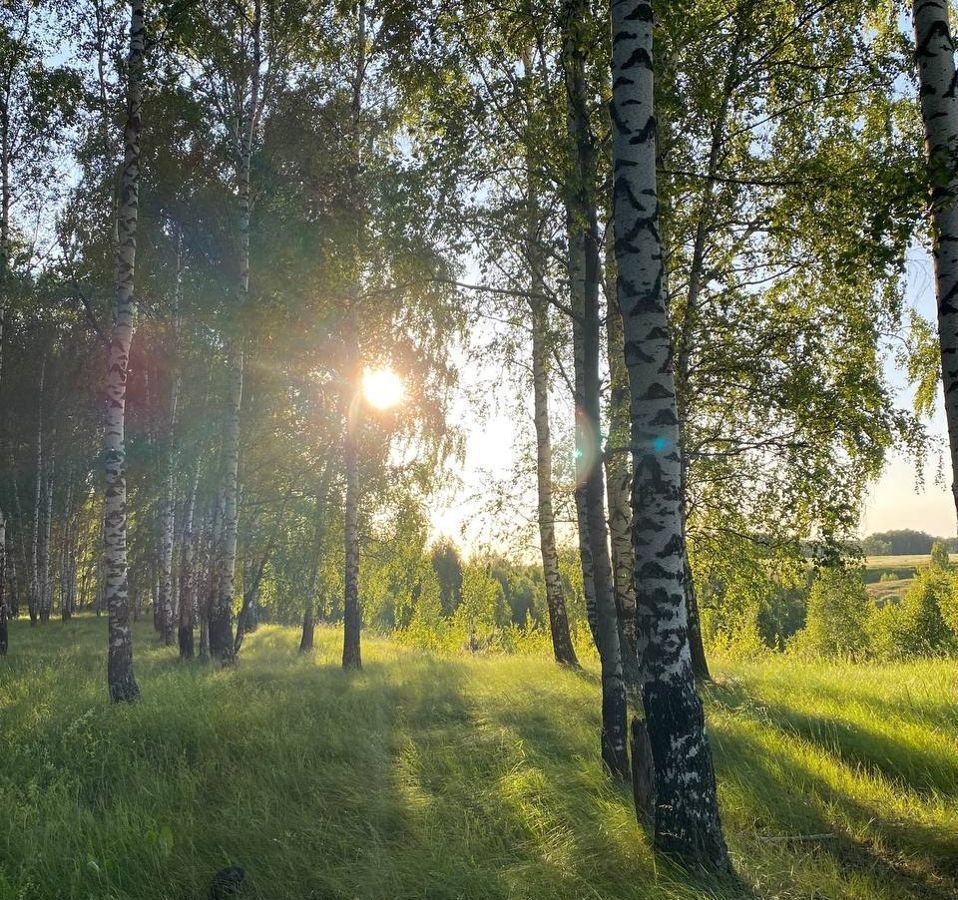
(448, 777)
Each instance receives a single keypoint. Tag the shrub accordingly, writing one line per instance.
(939, 555)
(730, 620)
(836, 618)
(920, 623)
(889, 576)
(885, 626)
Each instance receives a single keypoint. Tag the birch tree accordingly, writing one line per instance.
(120, 679)
(686, 818)
(585, 274)
(541, 351)
(938, 95)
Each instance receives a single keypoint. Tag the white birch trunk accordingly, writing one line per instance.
(187, 610)
(221, 618)
(562, 647)
(558, 618)
(686, 811)
(4, 265)
(938, 92)
(121, 681)
(168, 620)
(352, 607)
(352, 610)
(46, 569)
(584, 275)
(34, 599)
(618, 485)
(4, 610)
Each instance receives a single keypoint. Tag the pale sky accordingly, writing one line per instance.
(498, 425)
(897, 499)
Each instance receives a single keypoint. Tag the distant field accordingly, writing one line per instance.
(883, 591)
(466, 778)
(905, 567)
(897, 562)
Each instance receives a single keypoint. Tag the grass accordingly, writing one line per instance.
(428, 777)
(912, 561)
(885, 591)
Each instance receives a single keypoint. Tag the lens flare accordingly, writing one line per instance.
(382, 388)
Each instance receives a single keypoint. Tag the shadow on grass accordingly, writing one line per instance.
(923, 771)
(922, 865)
(419, 777)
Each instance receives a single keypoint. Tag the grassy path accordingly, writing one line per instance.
(438, 778)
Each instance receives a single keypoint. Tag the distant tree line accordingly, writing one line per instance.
(904, 542)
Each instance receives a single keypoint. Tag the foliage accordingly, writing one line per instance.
(939, 556)
(751, 602)
(917, 623)
(904, 542)
(836, 618)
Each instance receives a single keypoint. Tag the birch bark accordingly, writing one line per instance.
(168, 622)
(618, 480)
(352, 608)
(34, 599)
(187, 610)
(221, 617)
(584, 275)
(938, 92)
(538, 305)
(686, 811)
(46, 571)
(120, 679)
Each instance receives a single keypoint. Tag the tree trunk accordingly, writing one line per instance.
(221, 613)
(309, 623)
(166, 528)
(68, 553)
(34, 599)
(618, 485)
(539, 309)
(643, 775)
(558, 618)
(939, 108)
(13, 598)
(213, 569)
(187, 610)
(120, 678)
(352, 609)
(221, 617)
(46, 576)
(4, 629)
(5, 197)
(686, 813)
(584, 274)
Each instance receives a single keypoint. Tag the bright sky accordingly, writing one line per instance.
(497, 427)
(899, 499)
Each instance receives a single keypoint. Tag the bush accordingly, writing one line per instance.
(939, 556)
(889, 576)
(885, 631)
(921, 623)
(836, 618)
(730, 620)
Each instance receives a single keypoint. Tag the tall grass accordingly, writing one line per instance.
(440, 777)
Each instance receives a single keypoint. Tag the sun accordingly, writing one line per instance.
(382, 388)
